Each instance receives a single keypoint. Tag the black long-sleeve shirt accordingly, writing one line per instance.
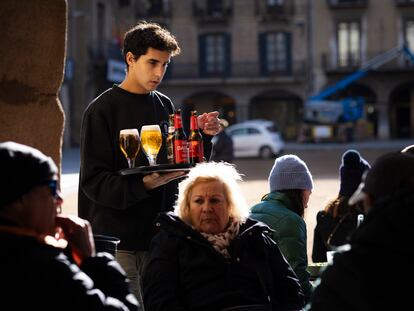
(120, 205)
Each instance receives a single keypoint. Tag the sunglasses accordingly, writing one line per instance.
(53, 186)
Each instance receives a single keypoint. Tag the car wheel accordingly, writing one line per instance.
(266, 152)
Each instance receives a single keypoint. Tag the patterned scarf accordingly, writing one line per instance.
(221, 241)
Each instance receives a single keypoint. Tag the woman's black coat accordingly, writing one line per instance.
(184, 271)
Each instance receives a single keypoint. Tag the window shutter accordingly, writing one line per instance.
(202, 61)
(263, 54)
(227, 59)
(288, 40)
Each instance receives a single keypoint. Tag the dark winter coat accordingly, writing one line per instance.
(376, 272)
(37, 276)
(325, 225)
(185, 272)
(222, 148)
(289, 232)
(118, 205)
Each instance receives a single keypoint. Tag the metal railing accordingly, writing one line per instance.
(237, 70)
(339, 4)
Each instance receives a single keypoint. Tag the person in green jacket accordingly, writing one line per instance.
(282, 209)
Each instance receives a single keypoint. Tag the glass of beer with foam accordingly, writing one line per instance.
(129, 143)
(151, 140)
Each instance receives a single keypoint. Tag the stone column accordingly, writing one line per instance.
(32, 54)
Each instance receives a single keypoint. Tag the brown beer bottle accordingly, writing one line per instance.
(170, 139)
(180, 140)
(195, 140)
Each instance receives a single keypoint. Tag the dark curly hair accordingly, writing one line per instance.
(146, 35)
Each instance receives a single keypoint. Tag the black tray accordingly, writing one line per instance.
(160, 168)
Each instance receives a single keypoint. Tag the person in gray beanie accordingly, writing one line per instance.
(283, 208)
(48, 260)
(338, 220)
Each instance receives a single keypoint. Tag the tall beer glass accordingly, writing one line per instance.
(151, 139)
(129, 143)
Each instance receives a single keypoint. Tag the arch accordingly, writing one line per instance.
(401, 110)
(282, 107)
(212, 100)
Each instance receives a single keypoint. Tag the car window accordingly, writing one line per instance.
(272, 128)
(240, 131)
(253, 131)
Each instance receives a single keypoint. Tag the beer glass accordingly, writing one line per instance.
(129, 143)
(151, 139)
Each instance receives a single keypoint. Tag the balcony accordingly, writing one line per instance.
(212, 11)
(348, 4)
(404, 3)
(240, 70)
(271, 11)
(156, 10)
(331, 64)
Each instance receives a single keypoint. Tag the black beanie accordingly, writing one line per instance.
(351, 170)
(22, 168)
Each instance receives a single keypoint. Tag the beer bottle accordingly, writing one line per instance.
(180, 140)
(195, 140)
(170, 139)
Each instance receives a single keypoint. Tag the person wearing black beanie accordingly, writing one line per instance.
(339, 219)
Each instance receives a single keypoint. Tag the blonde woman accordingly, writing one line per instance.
(209, 255)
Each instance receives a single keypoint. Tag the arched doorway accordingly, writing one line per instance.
(282, 107)
(210, 101)
(402, 111)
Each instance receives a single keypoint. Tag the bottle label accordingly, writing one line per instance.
(180, 151)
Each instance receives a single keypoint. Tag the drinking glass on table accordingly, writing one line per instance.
(151, 139)
(129, 143)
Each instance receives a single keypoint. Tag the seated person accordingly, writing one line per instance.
(339, 219)
(372, 271)
(209, 256)
(37, 273)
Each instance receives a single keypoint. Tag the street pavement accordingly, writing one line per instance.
(323, 160)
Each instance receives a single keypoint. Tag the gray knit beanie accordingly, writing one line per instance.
(290, 172)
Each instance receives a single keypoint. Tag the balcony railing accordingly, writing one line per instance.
(212, 11)
(157, 9)
(330, 63)
(404, 3)
(347, 4)
(238, 70)
(279, 11)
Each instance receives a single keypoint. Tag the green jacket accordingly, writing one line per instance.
(289, 233)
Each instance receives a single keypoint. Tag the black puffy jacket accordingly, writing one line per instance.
(184, 271)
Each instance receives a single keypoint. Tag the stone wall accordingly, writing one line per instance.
(32, 57)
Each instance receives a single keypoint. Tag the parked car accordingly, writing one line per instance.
(256, 138)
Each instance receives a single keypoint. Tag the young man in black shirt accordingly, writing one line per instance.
(126, 206)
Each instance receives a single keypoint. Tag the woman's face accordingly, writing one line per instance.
(208, 205)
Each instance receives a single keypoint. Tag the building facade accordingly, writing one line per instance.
(255, 59)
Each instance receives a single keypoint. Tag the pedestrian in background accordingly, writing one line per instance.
(339, 219)
(283, 209)
(126, 206)
(222, 145)
(374, 271)
(48, 260)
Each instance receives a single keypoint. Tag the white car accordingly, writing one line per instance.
(256, 138)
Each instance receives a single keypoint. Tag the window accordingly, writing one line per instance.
(214, 54)
(349, 43)
(409, 33)
(275, 52)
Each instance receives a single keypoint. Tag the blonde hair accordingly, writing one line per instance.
(213, 171)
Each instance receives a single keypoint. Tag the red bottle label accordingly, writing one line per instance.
(180, 151)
